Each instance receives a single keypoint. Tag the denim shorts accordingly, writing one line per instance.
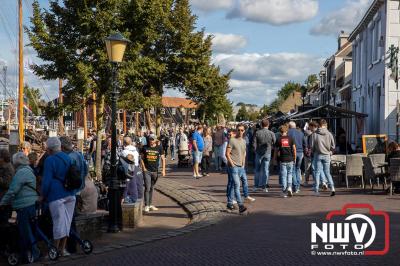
(197, 156)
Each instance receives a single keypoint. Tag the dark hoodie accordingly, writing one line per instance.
(322, 142)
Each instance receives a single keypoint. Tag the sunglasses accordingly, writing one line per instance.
(241, 130)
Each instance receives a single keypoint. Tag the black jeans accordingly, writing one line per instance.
(150, 179)
(205, 164)
(5, 214)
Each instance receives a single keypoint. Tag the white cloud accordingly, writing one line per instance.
(48, 89)
(256, 78)
(227, 43)
(275, 12)
(212, 5)
(345, 18)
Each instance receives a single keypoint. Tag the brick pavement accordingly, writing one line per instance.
(276, 231)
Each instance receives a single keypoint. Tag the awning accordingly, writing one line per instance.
(326, 112)
(345, 87)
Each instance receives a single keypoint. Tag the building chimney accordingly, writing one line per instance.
(342, 40)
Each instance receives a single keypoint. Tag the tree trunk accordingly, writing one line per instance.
(99, 133)
(148, 119)
(137, 122)
(94, 112)
(158, 123)
(85, 129)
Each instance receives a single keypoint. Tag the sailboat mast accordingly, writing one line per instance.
(21, 126)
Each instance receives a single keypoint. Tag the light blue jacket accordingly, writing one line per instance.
(22, 192)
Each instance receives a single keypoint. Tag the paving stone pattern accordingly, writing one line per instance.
(199, 205)
(203, 210)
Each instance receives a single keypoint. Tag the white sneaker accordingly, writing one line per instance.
(234, 202)
(297, 191)
(266, 190)
(65, 253)
(250, 199)
(324, 186)
(146, 209)
(290, 192)
(284, 195)
(153, 208)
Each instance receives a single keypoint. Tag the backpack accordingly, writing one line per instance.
(72, 180)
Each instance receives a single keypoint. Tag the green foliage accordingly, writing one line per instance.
(283, 94)
(311, 81)
(242, 114)
(33, 96)
(288, 89)
(246, 104)
(52, 112)
(166, 51)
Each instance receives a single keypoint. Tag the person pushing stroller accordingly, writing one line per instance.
(22, 196)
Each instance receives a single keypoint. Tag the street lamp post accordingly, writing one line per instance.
(116, 45)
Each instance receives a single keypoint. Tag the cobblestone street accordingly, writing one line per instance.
(275, 231)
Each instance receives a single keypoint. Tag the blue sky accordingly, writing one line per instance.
(265, 42)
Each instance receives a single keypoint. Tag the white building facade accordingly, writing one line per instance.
(374, 92)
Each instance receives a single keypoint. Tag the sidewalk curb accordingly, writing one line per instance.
(198, 204)
(202, 209)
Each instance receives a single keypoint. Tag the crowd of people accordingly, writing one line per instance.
(52, 181)
(294, 151)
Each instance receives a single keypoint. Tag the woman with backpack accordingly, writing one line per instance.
(60, 199)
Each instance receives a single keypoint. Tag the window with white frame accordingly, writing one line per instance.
(378, 38)
(373, 43)
(89, 124)
(355, 56)
(362, 59)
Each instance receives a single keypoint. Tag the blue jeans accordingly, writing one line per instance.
(222, 153)
(322, 177)
(172, 151)
(235, 176)
(262, 171)
(286, 170)
(26, 235)
(297, 171)
(323, 165)
(217, 157)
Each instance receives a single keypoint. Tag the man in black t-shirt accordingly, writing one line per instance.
(285, 152)
(151, 155)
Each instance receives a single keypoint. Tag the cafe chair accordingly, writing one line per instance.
(394, 174)
(374, 174)
(354, 168)
(338, 166)
(377, 159)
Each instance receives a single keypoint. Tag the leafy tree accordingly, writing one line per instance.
(311, 81)
(33, 99)
(166, 51)
(242, 114)
(283, 94)
(69, 38)
(254, 116)
(288, 89)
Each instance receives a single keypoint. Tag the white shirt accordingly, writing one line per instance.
(130, 149)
